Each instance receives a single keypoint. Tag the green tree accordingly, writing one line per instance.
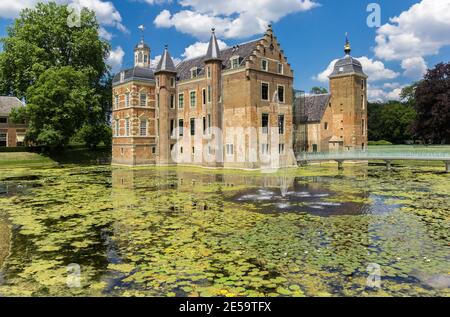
(41, 38)
(318, 90)
(432, 103)
(391, 121)
(57, 106)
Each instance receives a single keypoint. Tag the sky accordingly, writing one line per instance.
(396, 48)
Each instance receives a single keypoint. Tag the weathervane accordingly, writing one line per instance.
(142, 28)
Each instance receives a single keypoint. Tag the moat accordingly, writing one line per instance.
(311, 231)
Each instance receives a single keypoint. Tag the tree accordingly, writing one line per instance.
(390, 121)
(318, 90)
(57, 106)
(432, 103)
(41, 38)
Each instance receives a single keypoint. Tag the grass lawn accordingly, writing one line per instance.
(24, 158)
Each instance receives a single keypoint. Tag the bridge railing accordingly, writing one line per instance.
(372, 155)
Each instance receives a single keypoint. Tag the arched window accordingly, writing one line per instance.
(140, 57)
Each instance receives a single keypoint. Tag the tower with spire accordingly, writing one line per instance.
(142, 56)
(348, 88)
(213, 76)
(165, 74)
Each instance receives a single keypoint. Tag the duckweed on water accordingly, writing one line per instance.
(185, 232)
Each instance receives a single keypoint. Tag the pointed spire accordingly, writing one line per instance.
(166, 63)
(213, 52)
(347, 47)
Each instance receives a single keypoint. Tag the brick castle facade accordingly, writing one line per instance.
(230, 108)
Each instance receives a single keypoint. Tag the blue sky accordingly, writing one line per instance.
(311, 33)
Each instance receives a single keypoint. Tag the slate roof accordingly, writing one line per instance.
(315, 106)
(8, 103)
(347, 65)
(213, 52)
(135, 73)
(243, 50)
(166, 63)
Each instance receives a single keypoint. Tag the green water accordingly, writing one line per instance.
(190, 232)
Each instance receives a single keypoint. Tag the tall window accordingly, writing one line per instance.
(157, 82)
(209, 93)
(204, 96)
(280, 68)
(281, 93)
(143, 128)
(265, 123)
(127, 99)
(181, 127)
(172, 101)
(281, 124)
(363, 102)
(143, 100)
(180, 101)
(116, 102)
(117, 127)
(127, 127)
(230, 149)
(265, 148)
(193, 99)
(204, 125)
(209, 121)
(264, 65)
(208, 72)
(363, 127)
(172, 82)
(325, 126)
(281, 148)
(265, 91)
(192, 126)
(172, 126)
(194, 72)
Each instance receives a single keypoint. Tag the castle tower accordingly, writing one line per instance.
(165, 99)
(348, 88)
(213, 74)
(142, 52)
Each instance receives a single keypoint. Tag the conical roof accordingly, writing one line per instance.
(213, 52)
(166, 63)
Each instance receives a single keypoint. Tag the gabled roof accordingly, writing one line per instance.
(243, 50)
(8, 103)
(315, 106)
(135, 73)
(166, 63)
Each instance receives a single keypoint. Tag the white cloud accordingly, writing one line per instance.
(415, 67)
(376, 70)
(422, 30)
(199, 49)
(154, 61)
(115, 59)
(103, 33)
(105, 11)
(389, 91)
(231, 18)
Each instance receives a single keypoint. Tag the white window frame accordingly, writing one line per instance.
(209, 94)
(116, 101)
(194, 70)
(117, 127)
(6, 137)
(204, 100)
(265, 149)
(127, 127)
(233, 59)
(230, 149)
(281, 148)
(145, 121)
(172, 101)
(266, 69)
(140, 99)
(181, 106)
(127, 100)
(208, 72)
(195, 99)
(172, 82)
(281, 72)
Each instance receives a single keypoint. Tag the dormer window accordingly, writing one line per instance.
(194, 72)
(122, 76)
(341, 69)
(235, 62)
(264, 65)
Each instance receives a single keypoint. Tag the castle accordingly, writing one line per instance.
(232, 108)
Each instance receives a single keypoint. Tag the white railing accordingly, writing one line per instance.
(375, 155)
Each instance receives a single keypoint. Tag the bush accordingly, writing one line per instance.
(380, 142)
